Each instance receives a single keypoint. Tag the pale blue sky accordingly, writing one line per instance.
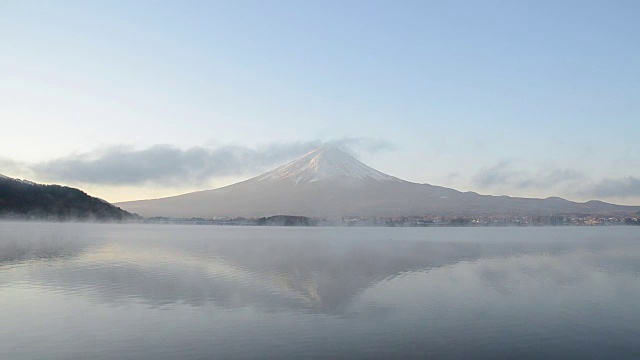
(529, 98)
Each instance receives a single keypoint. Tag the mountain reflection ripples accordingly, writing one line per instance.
(138, 291)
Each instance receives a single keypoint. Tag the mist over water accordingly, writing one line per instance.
(80, 291)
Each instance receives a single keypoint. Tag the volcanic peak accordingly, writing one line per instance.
(324, 163)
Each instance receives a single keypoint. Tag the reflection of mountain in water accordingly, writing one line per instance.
(328, 273)
(319, 276)
(272, 270)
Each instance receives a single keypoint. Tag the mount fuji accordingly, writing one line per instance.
(328, 182)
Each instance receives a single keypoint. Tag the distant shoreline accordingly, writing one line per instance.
(414, 222)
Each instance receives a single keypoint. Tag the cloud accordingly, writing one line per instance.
(9, 167)
(357, 145)
(508, 173)
(512, 174)
(621, 188)
(169, 165)
(499, 174)
(453, 175)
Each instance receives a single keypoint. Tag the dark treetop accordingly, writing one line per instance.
(21, 199)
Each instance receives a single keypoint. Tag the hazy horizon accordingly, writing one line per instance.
(154, 99)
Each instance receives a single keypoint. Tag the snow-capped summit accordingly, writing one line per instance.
(324, 163)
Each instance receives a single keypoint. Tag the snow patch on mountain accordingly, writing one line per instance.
(325, 163)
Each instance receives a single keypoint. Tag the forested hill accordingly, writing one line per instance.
(25, 200)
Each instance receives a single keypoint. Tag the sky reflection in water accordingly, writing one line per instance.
(79, 289)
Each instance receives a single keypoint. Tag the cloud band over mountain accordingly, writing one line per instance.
(509, 173)
(168, 165)
(512, 174)
(625, 187)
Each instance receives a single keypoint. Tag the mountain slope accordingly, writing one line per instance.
(329, 183)
(22, 199)
(324, 163)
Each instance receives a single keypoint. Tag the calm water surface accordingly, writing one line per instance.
(93, 291)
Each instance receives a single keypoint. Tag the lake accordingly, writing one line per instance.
(129, 291)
